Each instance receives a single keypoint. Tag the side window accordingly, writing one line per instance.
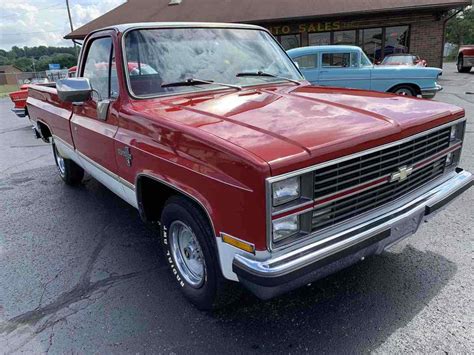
(354, 60)
(306, 61)
(336, 60)
(100, 68)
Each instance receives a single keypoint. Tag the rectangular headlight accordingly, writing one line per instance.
(285, 227)
(286, 190)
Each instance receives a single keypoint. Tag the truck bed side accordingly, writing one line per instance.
(45, 108)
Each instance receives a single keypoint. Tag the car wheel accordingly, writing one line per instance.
(70, 172)
(190, 253)
(404, 91)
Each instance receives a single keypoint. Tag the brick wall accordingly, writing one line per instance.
(426, 40)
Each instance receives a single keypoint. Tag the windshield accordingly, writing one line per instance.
(163, 56)
(399, 59)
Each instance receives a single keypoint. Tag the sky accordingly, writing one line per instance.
(45, 22)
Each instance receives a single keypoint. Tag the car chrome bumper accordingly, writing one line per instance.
(431, 92)
(20, 112)
(277, 275)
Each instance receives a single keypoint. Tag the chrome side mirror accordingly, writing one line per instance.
(74, 89)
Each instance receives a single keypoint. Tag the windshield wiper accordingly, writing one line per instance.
(262, 73)
(195, 81)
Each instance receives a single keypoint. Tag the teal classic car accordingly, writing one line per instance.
(349, 67)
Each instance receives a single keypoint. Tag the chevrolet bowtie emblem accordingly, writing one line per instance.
(402, 173)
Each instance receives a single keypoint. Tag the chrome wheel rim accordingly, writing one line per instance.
(187, 253)
(404, 92)
(60, 162)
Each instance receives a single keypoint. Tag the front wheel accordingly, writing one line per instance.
(70, 172)
(190, 253)
(404, 90)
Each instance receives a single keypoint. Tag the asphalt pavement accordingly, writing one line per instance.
(80, 273)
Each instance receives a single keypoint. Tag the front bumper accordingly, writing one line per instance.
(20, 112)
(430, 92)
(276, 275)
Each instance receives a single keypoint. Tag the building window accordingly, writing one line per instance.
(396, 40)
(345, 37)
(319, 38)
(306, 61)
(370, 40)
(290, 41)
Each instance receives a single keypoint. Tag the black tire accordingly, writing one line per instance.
(71, 173)
(404, 90)
(214, 291)
(462, 69)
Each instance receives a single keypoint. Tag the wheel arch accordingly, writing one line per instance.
(148, 187)
(44, 131)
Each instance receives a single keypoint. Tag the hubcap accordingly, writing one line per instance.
(404, 92)
(60, 162)
(187, 253)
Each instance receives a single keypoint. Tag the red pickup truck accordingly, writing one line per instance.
(465, 60)
(253, 175)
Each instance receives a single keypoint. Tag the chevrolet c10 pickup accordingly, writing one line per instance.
(250, 174)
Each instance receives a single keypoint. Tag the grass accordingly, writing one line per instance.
(6, 89)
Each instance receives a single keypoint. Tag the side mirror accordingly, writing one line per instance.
(74, 89)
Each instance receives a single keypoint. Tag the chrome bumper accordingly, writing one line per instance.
(431, 92)
(276, 275)
(20, 112)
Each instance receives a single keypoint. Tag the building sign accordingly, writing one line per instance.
(325, 26)
(54, 66)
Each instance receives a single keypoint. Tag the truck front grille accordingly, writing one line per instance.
(358, 185)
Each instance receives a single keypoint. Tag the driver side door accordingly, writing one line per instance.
(94, 123)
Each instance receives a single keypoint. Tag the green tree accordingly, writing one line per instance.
(460, 29)
(25, 64)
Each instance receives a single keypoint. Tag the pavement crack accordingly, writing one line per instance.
(83, 290)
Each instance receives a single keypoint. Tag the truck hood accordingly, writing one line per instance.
(291, 127)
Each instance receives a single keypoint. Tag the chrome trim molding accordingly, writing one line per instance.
(292, 214)
(283, 211)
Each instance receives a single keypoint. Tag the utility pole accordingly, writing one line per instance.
(70, 24)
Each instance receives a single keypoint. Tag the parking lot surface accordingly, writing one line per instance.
(80, 273)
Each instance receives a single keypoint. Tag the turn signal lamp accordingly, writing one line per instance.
(238, 243)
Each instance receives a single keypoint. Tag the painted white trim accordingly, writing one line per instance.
(112, 181)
